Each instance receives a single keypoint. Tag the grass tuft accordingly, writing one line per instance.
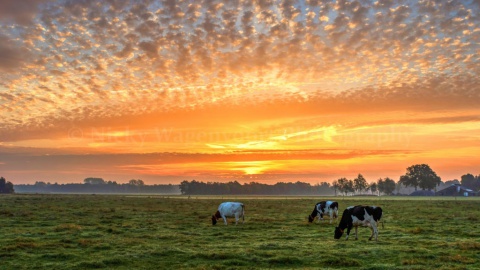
(417, 230)
(94, 265)
(67, 227)
(6, 213)
(284, 260)
(340, 262)
(458, 259)
(21, 245)
(114, 261)
(472, 218)
(468, 245)
(412, 261)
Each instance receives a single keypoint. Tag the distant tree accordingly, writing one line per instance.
(420, 175)
(389, 186)
(349, 187)
(360, 184)
(135, 182)
(470, 181)
(452, 182)
(94, 181)
(184, 185)
(381, 185)
(373, 187)
(386, 186)
(6, 187)
(398, 187)
(343, 185)
(335, 186)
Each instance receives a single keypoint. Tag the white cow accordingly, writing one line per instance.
(229, 209)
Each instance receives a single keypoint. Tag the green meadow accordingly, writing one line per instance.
(160, 232)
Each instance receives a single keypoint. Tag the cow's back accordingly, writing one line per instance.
(230, 208)
(332, 205)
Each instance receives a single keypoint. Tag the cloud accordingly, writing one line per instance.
(12, 56)
(87, 62)
(21, 12)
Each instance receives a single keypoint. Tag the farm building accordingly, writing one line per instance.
(456, 190)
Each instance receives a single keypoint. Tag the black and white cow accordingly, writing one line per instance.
(229, 209)
(323, 208)
(366, 216)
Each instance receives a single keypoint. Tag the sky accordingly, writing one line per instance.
(266, 91)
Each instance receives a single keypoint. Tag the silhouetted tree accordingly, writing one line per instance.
(343, 185)
(386, 186)
(389, 186)
(94, 181)
(452, 182)
(346, 186)
(359, 183)
(6, 187)
(335, 186)
(420, 175)
(373, 187)
(184, 187)
(135, 182)
(470, 181)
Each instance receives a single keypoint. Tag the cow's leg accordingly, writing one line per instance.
(374, 231)
(237, 217)
(348, 231)
(356, 232)
(224, 219)
(331, 216)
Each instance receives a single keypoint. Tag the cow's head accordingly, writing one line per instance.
(214, 220)
(338, 233)
(215, 217)
(310, 218)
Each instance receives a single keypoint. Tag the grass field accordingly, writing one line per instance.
(155, 232)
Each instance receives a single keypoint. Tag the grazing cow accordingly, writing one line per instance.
(229, 209)
(366, 216)
(323, 208)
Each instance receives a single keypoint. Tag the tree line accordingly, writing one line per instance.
(416, 176)
(254, 188)
(360, 186)
(98, 185)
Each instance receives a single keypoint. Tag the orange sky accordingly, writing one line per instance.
(268, 91)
